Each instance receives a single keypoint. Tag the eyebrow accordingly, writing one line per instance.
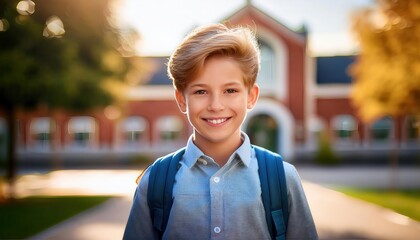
(198, 85)
(205, 85)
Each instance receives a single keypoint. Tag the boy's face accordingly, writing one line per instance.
(216, 102)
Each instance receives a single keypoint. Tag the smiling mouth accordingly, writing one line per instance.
(217, 121)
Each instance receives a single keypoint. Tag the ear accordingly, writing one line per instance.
(180, 100)
(253, 95)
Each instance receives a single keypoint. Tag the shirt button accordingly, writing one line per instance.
(202, 161)
(216, 230)
(216, 179)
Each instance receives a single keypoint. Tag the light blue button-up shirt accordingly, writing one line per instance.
(213, 202)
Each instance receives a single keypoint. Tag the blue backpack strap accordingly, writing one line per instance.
(159, 193)
(274, 191)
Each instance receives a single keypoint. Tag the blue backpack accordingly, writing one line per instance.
(273, 187)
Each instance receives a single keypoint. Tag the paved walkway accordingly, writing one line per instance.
(336, 215)
(356, 176)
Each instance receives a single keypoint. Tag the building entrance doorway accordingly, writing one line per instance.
(263, 131)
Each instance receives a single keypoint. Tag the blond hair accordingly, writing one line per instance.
(204, 42)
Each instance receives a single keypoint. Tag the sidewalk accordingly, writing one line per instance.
(105, 222)
(336, 215)
(381, 177)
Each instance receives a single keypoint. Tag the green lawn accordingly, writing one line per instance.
(405, 202)
(25, 217)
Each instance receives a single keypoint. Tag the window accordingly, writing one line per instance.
(41, 131)
(263, 131)
(133, 129)
(344, 127)
(266, 76)
(82, 130)
(381, 130)
(169, 128)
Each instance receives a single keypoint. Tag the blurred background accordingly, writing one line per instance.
(86, 104)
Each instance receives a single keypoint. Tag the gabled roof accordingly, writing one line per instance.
(158, 74)
(333, 70)
(257, 17)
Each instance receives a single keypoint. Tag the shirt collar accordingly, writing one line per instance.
(193, 153)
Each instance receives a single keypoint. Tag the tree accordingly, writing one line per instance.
(40, 66)
(387, 71)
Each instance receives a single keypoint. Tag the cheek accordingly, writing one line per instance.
(195, 104)
(238, 104)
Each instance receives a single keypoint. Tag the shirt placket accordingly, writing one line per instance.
(216, 202)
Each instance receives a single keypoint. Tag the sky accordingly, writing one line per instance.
(163, 23)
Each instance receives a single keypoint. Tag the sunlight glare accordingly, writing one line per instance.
(79, 182)
(54, 27)
(4, 25)
(25, 7)
(112, 112)
(162, 24)
(398, 218)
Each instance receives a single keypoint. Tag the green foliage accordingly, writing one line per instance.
(62, 72)
(325, 154)
(59, 72)
(405, 202)
(23, 218)
(387, 72)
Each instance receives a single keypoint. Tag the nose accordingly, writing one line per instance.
(216, 103)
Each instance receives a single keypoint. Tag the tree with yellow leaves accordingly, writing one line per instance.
(387, 72)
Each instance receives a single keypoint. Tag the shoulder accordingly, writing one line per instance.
(158, 167)
(293, 180)
(291, 174)
(290, 170)
(143, 179)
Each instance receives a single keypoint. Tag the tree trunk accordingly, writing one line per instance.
(11, 168)
(395, 154)
(395, 159)
(54, 141)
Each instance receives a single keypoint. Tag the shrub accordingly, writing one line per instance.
(325, 154)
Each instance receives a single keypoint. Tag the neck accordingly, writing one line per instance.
(219, 151)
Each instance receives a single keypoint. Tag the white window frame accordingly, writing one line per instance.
(82, 125)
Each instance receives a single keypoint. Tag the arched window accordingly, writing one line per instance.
(263, 130)
(82, 131)
(169, 128)
(382, 130)
(344, 127)
(133, 129)
(41, 131)
(266, 76)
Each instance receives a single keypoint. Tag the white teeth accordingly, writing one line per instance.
(217, 121)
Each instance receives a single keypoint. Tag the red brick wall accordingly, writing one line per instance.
(296, 47)
(153, 110)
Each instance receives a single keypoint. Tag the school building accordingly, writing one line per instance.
(301, 96)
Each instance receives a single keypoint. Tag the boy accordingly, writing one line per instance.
(217, 192)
